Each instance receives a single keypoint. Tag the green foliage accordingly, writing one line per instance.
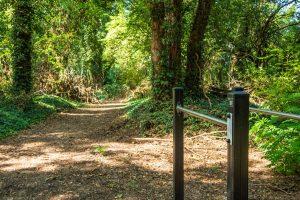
(238, 47)
(82, 48)
(127, 50)
(54, 102)
(5, 45)
(280, 140)
(13, 118)
(112, 91)
(157, 116)
(279, 84)
(100, 150)
(67, 38)
(151, 115)
(113, 87)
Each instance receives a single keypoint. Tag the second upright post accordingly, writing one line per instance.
(178, 171)
(238, 142)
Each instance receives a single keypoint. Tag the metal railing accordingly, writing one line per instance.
(202, 116)
(237, 140)
(279, 114)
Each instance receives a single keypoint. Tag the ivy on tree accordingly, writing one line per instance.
(22, 46)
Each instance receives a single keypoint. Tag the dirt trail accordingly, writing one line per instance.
(90, 153)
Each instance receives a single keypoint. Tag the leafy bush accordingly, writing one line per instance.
(151, 115)
(114, 86)
(280, 140)
(68, 83)
(157, 116)
(14, 118)
(278, 90)
(5, 87)
(112, 91)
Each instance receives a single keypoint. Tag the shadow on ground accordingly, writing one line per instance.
(90, 153)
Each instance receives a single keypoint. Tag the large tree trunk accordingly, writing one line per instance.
(175, 45)
(157, 48)
(166, 48)
(195, 60)
(22, 46)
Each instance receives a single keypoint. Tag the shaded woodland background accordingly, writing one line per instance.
(55, 52)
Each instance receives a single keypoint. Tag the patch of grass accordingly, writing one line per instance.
(100, 150)
(13, 118)
(132, 184)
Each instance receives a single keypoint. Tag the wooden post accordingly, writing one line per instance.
(178, 148)
(238, 142)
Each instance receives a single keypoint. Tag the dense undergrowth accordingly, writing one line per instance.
(279, 139)
(157, 116)
(14, 117)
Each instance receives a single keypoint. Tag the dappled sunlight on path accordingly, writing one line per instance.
(91, 153)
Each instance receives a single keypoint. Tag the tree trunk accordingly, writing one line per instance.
(157, 49)
(195, 60)
(22, 46)
(175, 45)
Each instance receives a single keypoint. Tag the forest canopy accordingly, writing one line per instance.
(90, 50)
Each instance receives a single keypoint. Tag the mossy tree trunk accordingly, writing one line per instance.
(175, 48)
(22, 46)
(166, 47)
(158, 51)
(195, 60)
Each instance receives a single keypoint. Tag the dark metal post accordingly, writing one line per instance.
(178, 171)
(237, 178)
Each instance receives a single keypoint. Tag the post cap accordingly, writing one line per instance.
(237, 89)
(176, 89)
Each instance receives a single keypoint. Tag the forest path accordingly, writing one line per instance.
(90, 153)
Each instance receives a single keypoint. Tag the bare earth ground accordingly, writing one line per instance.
(59, 159)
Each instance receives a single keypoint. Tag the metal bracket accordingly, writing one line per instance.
(229, 128)
(177, 110)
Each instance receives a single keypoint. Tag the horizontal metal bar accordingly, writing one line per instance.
(202, 116)
(280, 114)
